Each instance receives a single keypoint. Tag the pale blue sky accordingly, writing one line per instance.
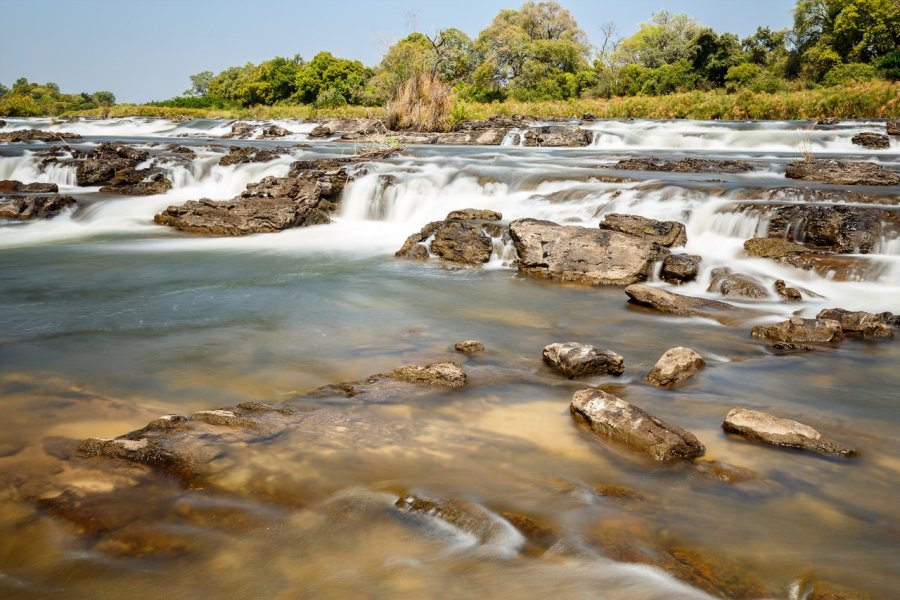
(146, 50)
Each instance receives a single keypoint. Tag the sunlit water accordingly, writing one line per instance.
(108, 321)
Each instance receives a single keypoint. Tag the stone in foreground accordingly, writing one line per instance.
(763, 427)
(727, 283)
(680, 268)
(27, 208)
(800, 330)
(664, 233)
(469, 346)
(581, 360)
(613, 418)
(675, 366)
(859, 322)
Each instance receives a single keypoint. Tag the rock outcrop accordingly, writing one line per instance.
(684, 165)
(138, 182)
(680, 268)
(872, 141)
(464, 237)
(13, 186)
(838, 228)
(557, 136)
(23, 136)
(582, 254)
(103, 163)
(842, 173)
(581, 360)
(26, 208)
(801, 331)
(859, 323)
(736, 284)
(664, 233)
(674, 367)
(248, 154)
(762, 427)
(613, 418)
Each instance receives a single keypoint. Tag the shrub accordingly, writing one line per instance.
(849, 73)
(889, 65)
(423, 103)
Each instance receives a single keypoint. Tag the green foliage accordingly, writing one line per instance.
(334, 81)
(665, 40)
(842, 74)
(749, 76)
(459, 113)
(712, 55)
(199, 84)
(27, 99)
(889, 65)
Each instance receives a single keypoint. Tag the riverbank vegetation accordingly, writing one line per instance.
(838, 59)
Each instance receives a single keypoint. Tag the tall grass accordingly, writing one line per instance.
(423, 103)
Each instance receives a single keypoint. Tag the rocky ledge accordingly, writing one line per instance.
(664, 233)
(842, 173)
(684, 165)
(36, 135)
(26, 208)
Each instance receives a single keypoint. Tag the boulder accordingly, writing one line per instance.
(840, 228)
(582, 254)
(684, 165)
(469, 346)
(680, 268)
(801, 331)
(892, 126)
(240, 130)
(11, 185)
(443, 374)
(861, 323)
(558, 136)
(23, 136)
(675, 366)
(613, 418)
(664, 233)
(26, 208)
(872, 141)
(788, 293)
(102, 163)
(138, 182)
(464, 237)
(581, 360)
(248, 154)
(472, 214)
(677, 304)
(762, 427)
(736, 284)
(272, 132)
(842, 173)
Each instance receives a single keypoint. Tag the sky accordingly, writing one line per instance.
(147, 50)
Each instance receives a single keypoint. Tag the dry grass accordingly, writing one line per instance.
(423, 103)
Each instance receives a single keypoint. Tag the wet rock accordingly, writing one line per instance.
(605, 490)
(828, 121)
(248, 154)
(581, 360)
(582, 254)
(36, 135)
(773, 248)
(684, 165)
(415, 252)
(860, 322)
(892, 127)
(443, 374)
(838, 267)
(724, 472)
(465, 516)
(680, 268)
(462, 242)
(541, 536)
(558, 136)
(674, 367)
(613, 418)
(240, 130)
(842, 173)
(736, 284)
(825, 590)
(482, 137)
(472, 214)
(790, 348)
(272, 132)
(762, 427)
(26, 208)
(138, 182)
(2, 123)
(838, 228)
(890, 318)
(664, 233)
(788, 293)
(872, 141)
(13, 186)
(180, 150)
(469, 346)
(677, 304)
(102, 163)
(800, 330)
(8, 448)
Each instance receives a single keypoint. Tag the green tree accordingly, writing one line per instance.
(332, 76)
(199, 84)
(666, 39)
(712, 55)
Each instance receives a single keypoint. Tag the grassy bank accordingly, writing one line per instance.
(879, 99)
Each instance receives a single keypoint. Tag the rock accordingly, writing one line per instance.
(483, 137)
(736, 284)
(684, 165)
(825, 590)
(773, 248)
(495, 122)
(872, 141)
(680, 268)
(840, 228)
(790, 348)
(664, 233)
(613, 418)
(828, 121)
(675, 366)
(271, 132)
(11, 185)
(248, 154)
(890, 318)
(26, 208)
(2, 123)
(788, 293)
(842, 173)
(860, 322)
(471, 214)
(444, 374)
(800, 330)
(320, 131)
(536, 533)
(582, 254)
(580, 360)
(463, 242)
(240, 130)
(36, 135)
(558, 136)
(181, 150)
(763, 427)
(469, 346)
(465, 516)
(677, 304)
(892, 126)
(138, 182)
(101, 164)
(724, 472)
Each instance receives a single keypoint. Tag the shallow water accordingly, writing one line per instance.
(108, 321)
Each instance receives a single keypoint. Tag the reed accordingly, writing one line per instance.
(423, 103)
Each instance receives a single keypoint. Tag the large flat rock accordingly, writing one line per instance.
(763, 427)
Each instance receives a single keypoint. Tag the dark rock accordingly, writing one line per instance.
(271, 132)
(680, 268)
(790, 348)
(828, 121)
(36, 135)
(182, 150)
(469, 346)
(2, 123)
(664, 233)
(736, 284)
(558, 136)
(582, 254)
(320, 131)
(462, 242)
(892, 126)
(763, 427)
(101, 164)
(801, 331)
(872, 141)
(839, 228)
(684, 165)
(890, 318)
(240, 130)
(26, 208)
(842, 173)
(138, 182)
(580, 360)
(13, 186)
(861, 323)
(788, 293)
(674, 367)
(247, 154)
(677, 304)
(613, 418)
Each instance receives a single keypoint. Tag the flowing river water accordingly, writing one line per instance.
(108, 321)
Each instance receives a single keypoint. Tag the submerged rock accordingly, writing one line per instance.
(860, 322)
(674, 367)
(677, 304)
(839, 228)
(613, 418)
(680, 268)
(800, 330)
(444, 374)
(558, 136)
(664, 233)
(581, 360)
(582, 254)
(872, 141)
(684, 165)
(469, 346)
(736, 284)
(26, 208)
(842, 173)
(788, 293)
(102, 163)
(763, 427)
(248, 154)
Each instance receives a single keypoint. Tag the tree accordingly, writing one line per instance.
(765, 47)
(331, 78)
(3, 89)
(666, 39)
(711, 55)
(199, 84)
(103, 98)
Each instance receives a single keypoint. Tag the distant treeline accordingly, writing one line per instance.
(26, 99)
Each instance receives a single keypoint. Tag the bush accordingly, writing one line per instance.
(330, 98)
(849, 73)
(423, 103)
(889, 65)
